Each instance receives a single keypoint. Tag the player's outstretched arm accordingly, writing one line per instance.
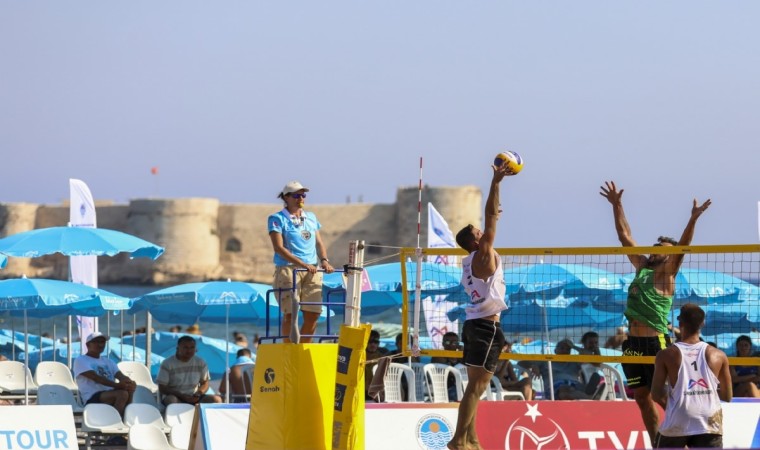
(615, 197)
(688, 233)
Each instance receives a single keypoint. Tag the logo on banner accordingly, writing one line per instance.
(340, 394)
(433, 432)
(344, 359)
(534, 430)
(269, 375)
(82, 210)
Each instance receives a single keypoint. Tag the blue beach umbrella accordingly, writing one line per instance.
(77, 241)
(386, 284)
(42, 298)
(3, 261)
(213, 301)
(572, 280)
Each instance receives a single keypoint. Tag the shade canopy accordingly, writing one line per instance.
(77, 241)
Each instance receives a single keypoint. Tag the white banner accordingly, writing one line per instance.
(83, 269)
(37, 427)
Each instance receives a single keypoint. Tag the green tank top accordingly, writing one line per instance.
(645, 304)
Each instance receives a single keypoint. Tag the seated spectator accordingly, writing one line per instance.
(450, 342)
(176, 329)
(184, 377)
(746, 379)
(240, 338)
(373, 352)
(97, 377)
(399, 349)
(240, 385)
(617, 340)
(508, 378)
(194, 329)
(568, 384)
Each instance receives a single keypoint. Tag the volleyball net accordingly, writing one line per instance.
(562, 293)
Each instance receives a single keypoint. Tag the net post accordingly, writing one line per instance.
(354, 283)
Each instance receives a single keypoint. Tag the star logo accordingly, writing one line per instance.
(533, 412)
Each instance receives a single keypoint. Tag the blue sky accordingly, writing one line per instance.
(232, 99)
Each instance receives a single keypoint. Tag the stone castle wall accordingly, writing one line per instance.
(207, 240)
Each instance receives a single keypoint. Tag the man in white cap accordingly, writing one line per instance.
(298, 245)
(96, 377)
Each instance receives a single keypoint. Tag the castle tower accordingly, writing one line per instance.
(187, 229)
(459, 205)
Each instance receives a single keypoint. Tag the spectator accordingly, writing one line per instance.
(240, 384)
(97, 377)
(450, 342)
(240, 338)
(508, 378)
(374, 352)
(617, 340)
(399, 350)
(194, 329)
(176, 329)
(297, 244)
(745, 379)
(566, 376)
(184, 377)
(255, 343)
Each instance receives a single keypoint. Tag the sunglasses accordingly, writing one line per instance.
(450, 342)
(297, 196)
(374, 341)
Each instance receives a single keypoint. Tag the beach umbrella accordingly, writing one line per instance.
(3, 261)
(385, 284)
(551, 280)
(76, 241)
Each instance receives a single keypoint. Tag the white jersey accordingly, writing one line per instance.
(486, 296)
(693, 403)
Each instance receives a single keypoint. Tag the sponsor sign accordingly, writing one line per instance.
(37, 427)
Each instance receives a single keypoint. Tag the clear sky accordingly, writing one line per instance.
(232, 99)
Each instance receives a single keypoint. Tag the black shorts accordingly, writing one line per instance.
(695, 441)
(640, 375)
(483, 341)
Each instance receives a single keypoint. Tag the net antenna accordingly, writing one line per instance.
(418, 276)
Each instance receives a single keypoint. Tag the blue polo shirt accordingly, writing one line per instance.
(298, 235)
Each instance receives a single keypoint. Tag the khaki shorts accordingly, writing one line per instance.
(309, 289)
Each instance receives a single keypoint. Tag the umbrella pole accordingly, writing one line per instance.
(26, 359)
(55, 357)
(68, 342)
(13, 340)
(40, 335)
(148, 343)
(134, 335)
(121, 341)
(227, 353)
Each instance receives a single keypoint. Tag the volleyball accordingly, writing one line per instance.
(513, 161)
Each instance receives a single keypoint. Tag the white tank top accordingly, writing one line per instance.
(693, 403)
(486, 296)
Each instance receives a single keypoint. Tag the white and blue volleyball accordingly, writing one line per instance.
(513, 161)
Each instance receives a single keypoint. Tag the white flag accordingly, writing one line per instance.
(84, 269)
(439, 233)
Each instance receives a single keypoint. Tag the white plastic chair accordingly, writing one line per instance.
(139, 373)
(420, 385)
(488, 394)
(247, 373)
(12, 380)
(392, 383)
(55, 394)
(142, 414)
(179, 413)
(143, 395)
(99, 418)
(436, 376)
(147, 437)
(54, 372)
(499, 393)
(612, 378)
(180, 435)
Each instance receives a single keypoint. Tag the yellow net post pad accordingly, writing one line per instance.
(292, 401)
(348, 425)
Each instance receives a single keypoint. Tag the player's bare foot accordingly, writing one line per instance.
(454, 446)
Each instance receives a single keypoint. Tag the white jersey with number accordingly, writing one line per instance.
(486, 296)
(693, 403)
